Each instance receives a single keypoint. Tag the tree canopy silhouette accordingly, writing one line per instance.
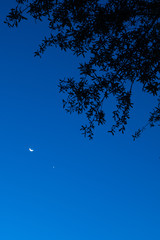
(122, 40)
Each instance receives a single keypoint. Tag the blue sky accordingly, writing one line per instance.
(108, 188)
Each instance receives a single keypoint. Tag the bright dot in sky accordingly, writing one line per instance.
(53, 166)
(31, 150)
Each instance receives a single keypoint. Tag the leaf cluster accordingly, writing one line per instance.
(122, 39)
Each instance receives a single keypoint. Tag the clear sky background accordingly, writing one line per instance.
(108, 188)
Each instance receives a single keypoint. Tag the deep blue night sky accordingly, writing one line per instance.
(108, 188)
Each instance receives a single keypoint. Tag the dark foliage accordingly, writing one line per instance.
(123, 39)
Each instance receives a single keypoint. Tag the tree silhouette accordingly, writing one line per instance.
(122, 38)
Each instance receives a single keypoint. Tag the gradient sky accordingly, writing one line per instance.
(107, 189)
